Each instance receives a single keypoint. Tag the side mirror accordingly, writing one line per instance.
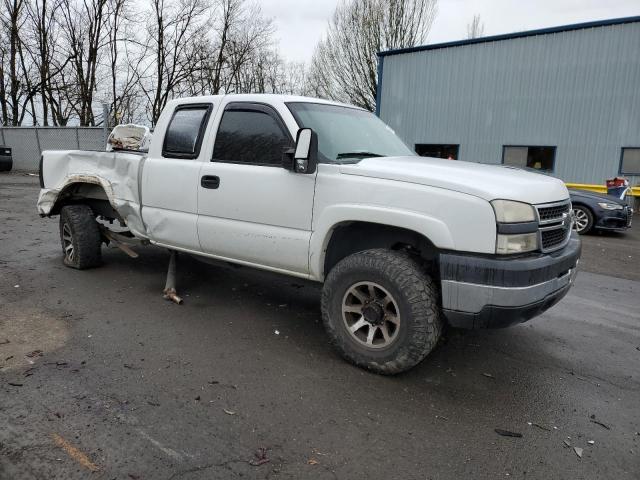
(305, 157)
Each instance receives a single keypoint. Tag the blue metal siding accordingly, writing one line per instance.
(577, 90)
(509, 36)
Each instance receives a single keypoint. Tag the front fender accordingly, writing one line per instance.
(432, 228)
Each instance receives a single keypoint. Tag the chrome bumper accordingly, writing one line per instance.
(472, 297)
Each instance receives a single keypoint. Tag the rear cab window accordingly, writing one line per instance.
(186, 129)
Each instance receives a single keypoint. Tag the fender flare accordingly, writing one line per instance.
(435, 230)
(49, 198)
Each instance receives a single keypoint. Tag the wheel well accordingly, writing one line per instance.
(90, 194)
(352, 237)
(584, 206)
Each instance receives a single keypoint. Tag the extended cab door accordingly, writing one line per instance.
(170, 177)
(251, 209)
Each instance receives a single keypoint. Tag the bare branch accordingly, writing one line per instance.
(475, 28)
(345, 65)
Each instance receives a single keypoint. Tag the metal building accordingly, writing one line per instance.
(565, 100)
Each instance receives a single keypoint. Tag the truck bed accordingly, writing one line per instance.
(117, 172)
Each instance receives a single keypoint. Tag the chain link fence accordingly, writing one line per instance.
(28, 143)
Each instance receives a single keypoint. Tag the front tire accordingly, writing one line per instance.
(80, 237)
(583, 219)
(381, 311)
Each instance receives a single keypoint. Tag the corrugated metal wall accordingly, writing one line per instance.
(576, 90)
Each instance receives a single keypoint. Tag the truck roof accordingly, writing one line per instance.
(269, 98)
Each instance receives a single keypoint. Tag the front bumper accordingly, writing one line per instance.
(614, 219)
(484, 292)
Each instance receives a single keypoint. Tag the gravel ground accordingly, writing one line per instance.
(101, 378)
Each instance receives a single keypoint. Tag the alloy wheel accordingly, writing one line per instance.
(581, 219)
(67, 243)
(371, 315)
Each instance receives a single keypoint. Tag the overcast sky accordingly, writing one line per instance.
(301, 23)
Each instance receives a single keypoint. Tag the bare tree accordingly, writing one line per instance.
(167, 57)
(359, 29)
(4, 77)
(48, 58)
(41, 18)
(32, 63)
(123, 78)
(61, 94)
(28, 86)
(475, 28)
(230, 16)
(249, 51)
(239, 46)
(11, 21)
(59, 57)
(85, 29)
(268, 72)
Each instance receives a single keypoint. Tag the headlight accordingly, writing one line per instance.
(610, 206)
(508, 211)
(525, 237)
(518, 243)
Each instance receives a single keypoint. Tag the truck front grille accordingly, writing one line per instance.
(554, 212)
(552, 238)
(555, 225)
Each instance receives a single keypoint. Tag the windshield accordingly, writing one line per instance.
(347, 135)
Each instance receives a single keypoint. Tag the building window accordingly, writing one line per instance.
(438, 150)
(538, 158)
(630, 161)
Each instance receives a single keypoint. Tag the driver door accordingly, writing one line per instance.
(250, 209)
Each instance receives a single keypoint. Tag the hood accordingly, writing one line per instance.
(489, 182)
(596, 196)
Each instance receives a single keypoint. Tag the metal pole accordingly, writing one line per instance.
(169, 292)
(38, 140)
(105, 123)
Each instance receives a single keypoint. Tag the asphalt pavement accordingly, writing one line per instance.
(101, 378)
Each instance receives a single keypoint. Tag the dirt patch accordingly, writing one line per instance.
(27, 334)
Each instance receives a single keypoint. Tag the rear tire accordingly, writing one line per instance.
(583, 219)
(381, 311)
(80, 237)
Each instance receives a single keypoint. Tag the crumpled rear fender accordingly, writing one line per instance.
(115, 176)
(129, 211)
(48, 197)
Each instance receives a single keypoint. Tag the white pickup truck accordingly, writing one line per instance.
(404, 245)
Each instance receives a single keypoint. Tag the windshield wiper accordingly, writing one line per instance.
(358, 155)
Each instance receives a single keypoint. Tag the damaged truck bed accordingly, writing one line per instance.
(108, 181)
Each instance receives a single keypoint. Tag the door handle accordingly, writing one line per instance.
(210, 181)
